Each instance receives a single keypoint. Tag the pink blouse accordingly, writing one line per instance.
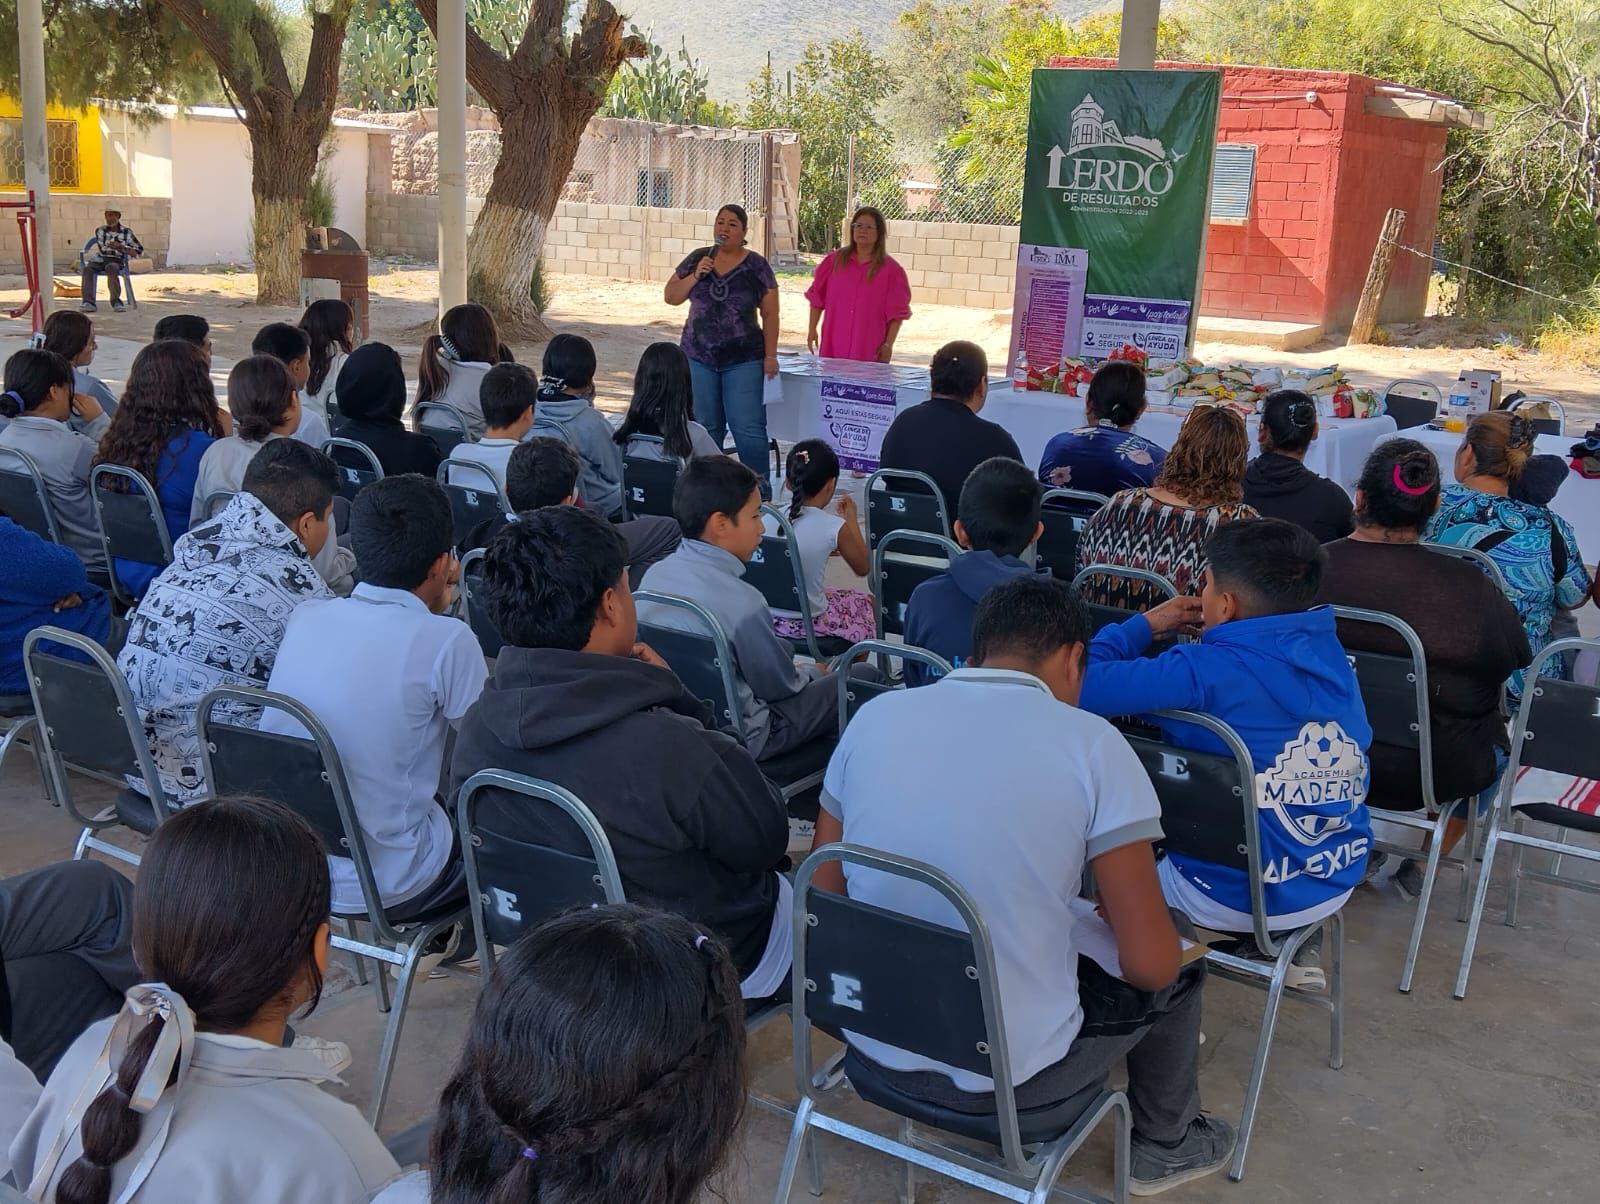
(857, 311)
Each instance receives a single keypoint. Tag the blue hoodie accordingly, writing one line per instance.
(939, 615)
(38, 575)
(1283, 683)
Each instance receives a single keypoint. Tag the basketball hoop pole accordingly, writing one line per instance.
(28, 230)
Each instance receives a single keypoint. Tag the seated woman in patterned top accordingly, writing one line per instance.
(1105, 455)
(1163, 528)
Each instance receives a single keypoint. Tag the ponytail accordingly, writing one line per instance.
(433, 378)
(30, 375)
(1290, 419)
(811, 467)
(1117, 392)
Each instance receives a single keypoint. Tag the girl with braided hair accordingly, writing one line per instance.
(190, 1093)
(605, 1063)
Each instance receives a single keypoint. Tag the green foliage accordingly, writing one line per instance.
(666, 88)
(319, 208)
(131, 50)
(837, 90)
(540, 291)
(390, 62)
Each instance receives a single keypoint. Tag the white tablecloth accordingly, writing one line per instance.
(1035, 418)
(1578, 501)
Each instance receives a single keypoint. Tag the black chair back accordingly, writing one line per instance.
(132, 526)
(83, 710)
(1388, 692)
(1556, 425)
(358, 466)
(24, 497)
(471, 591)
(474, 493)
(702, 658)
(442, 423)
(1416, 407)
(902, 561)
(856, 692)
(1200, 797)
(1561, 727)
(1064, 513)
(899, 500)
(648, 484)
(286, 769)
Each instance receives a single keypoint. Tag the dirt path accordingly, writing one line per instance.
(622, 317)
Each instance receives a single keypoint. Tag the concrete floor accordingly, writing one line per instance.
(1493, 1098)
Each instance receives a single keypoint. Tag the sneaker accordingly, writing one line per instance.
(428, 964)
(117, 307)
(1305, 970)
(89, 307)
(335, 1055)
(1375, 863)
(1204, 1150)
(1408, 880)
(801, 834)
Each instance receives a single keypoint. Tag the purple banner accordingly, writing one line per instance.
(854, 419)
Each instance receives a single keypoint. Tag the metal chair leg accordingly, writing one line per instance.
(1429, 877)
(1514, 887)
(1258, 1072)
(397, 1017)
(1122, 1152)
(15, 733)
(814, 1163)
(1555, 864)
(907, 1178)
(798, 1133)
(357, 962)
(1468, 856)
(1489, 847)
(1334, 928)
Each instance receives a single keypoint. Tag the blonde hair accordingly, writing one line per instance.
(1206, 464)
(880, 249)
(1501, 443)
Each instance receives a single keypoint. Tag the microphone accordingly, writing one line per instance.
(719, 240)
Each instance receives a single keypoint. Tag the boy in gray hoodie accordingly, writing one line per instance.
(565, 407)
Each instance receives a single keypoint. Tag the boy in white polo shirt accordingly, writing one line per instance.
(506, 396)
(1054, 788)
(389, 674)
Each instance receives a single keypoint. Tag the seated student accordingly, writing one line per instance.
(167, 420)
(455, 361)
(191, 328)
(605, 1063)
(389, 673)
(110, 248)
(718, 504)
(216, 615)
(1106, 456)
(38, 400)
(812, 476)
(566, 404)
(67, 952)
(543, 471)
(330, 325)
(1472, 643)
(231, 926)
(1278, 483)
(70, 335)
(997, 520)
(943, 436)
(506, 398)
(576, 700)
(265, 406)
(292, 346)
(44, 584)
(1056, 789)
(372, 404)
(1271, 667)
(663, 407)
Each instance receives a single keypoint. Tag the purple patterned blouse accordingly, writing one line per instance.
(722, 329)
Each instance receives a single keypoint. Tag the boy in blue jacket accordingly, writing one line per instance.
(997, 520)
(1270, 666)
(44, 584)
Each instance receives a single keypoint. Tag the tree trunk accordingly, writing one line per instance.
(283, 158)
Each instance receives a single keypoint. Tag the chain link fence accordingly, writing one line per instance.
(956, 184)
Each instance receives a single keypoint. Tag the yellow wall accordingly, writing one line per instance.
(91, 162)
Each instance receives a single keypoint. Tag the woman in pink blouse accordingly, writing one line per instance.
(865, 293)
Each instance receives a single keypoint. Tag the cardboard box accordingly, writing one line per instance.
(1482, 388)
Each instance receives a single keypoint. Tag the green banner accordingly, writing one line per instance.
(1119, 170)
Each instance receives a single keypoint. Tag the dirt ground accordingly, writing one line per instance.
(622, 317)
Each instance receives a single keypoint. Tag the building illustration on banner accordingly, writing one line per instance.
(1091, 131)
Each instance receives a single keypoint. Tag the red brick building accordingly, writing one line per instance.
(1333, 153)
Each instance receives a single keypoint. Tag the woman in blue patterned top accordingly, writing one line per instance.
(1105, 456)
(1534, 547)
(730, 337)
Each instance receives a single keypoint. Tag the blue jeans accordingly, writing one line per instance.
(731, 397)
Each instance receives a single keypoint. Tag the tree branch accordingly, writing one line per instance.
(208, 31)
(321, 85)
(487, 69)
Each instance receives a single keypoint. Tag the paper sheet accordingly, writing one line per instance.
(772, 389)
(1093, 938)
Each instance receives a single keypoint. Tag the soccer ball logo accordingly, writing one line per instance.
(1322, 745)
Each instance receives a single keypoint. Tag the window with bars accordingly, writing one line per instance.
(61, 141)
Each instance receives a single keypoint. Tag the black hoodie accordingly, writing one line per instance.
(695, 826)
(1280, 486)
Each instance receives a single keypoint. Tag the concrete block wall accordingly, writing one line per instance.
(957, 263)
(73, 218)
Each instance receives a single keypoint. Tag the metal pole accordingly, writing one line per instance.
(849, 190)
(35, 138)
(649, 203)
(1139, 21)
(766, 196)
(452, 153)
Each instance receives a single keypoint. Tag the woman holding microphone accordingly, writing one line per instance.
(730, 337)
(864, 293)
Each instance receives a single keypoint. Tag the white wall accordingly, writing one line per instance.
(348, 169)
(211, 205)
(138, 158)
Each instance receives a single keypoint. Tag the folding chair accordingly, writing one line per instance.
(856, 692)
(776, 571)
(471, 585)
(896, 577)
(933, 991)
(701, 656)
(215, 502)
(1101, 615)
(18, 724)
(132, 526)
(307, 776)
(1415, 408)
(1209, 812)
(1483, 560)
(901, 500)
(24, 497)
(445, 425)
(87, 720)
(358, 467)
(475, 495)
(1394, 690)
(1064, 513)
(1544, 426)
(1557, 729)
(124, 273)
(647, 484)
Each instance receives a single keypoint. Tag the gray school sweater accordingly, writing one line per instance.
(64, 457)
(576, 420)
(764, 668)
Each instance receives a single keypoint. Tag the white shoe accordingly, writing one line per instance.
(801, 834)
(427, 965)
(335, 1055)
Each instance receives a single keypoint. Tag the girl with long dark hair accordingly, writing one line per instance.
(330, 324)
(454, 361)
(190, 1093)
(70, 334)
(663, 408)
